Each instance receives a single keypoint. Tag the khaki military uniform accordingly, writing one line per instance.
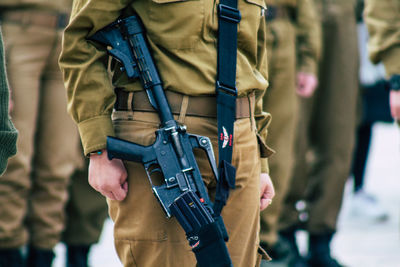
(293, 45)
(326, 129)
(182, 37)
(35, 184)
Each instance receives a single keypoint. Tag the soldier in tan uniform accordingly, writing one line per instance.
(293, 44)
(34, 188)
(326, 134)
(182, 37)
(383, 21)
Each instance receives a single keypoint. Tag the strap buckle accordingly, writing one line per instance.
(226, 89)
(229, 13)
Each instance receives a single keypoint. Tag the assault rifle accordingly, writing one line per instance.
(183, 193)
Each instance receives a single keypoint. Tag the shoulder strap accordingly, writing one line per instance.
(228, 19)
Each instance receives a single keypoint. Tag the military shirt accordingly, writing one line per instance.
(182, 36)
(383, 21)
(308, 37)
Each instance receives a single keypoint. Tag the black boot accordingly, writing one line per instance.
(320, 252)
(295, 259)
(39, 257)
(11, 258)
(77, 256)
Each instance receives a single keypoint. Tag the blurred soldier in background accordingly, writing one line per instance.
(8, 134)
(383, 20)
(33, 190)
(325, 137)
(293, 46)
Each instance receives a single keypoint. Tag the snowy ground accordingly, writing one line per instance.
(359, 242)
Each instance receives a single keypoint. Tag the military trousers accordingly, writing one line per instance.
(281, 101)
(33, 190)
(327, 127)
(143, 235)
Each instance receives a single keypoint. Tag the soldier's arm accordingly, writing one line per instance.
(308, 46)
(84, 68)
(308, 37)
(90, 93)
(262, 118)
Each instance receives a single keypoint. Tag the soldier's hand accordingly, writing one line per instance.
(109, 177)
(267, 191)
(306, 84)
(395, 104)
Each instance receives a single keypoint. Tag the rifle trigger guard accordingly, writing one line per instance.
(204, 143)
(150, 171)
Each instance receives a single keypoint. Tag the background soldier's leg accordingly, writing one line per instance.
(55, 159)
(333, 128)
(23, 69)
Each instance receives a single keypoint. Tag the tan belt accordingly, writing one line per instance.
(37, 18)
(201, 106)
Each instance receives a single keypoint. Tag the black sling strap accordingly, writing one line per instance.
(228, 19)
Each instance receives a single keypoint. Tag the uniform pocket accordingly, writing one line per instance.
(256, 10)
(265, 150)
(263, 122)
(252, 12)
(176, 24)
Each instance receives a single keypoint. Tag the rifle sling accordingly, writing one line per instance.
(228, 19)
